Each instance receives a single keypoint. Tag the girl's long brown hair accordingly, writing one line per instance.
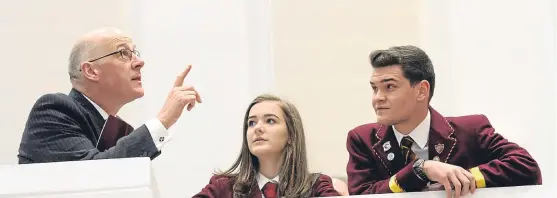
(295, 179)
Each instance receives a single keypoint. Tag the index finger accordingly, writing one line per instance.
(180, 78)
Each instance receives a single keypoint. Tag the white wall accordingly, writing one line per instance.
(554, 156)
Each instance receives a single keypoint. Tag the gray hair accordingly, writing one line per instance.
(84, 48)
(80, 53)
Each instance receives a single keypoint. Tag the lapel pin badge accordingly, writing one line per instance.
(386, 146)
(439, 148)
(390, 156)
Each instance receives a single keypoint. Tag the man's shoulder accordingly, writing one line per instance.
(55, 99)
(468, 120)
(468, 125)
(56, 102)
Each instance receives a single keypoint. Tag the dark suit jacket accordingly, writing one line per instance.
(221, 187)
(467, 141)
(64, 127)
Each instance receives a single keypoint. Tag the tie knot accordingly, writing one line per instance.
(270, 190)
(406, 142)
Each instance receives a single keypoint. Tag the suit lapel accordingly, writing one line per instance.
(442, 141)
(96, 117)
(388, 150)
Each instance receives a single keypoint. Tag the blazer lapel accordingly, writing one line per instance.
(388, 150)
(255, 191)
(442, 141)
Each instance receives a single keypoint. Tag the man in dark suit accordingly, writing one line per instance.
(105, 72)
(412, 147)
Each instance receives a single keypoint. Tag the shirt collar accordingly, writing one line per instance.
(262, 180)
(420, 134)
(99, 109)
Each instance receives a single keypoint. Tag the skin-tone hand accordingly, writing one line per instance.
(447, 175)
(179, 97)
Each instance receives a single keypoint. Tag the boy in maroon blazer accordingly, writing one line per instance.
(412, 147)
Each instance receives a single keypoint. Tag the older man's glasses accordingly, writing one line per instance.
(126, 54)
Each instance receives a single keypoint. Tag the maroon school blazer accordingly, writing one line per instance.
(221, 187)
(467, 141)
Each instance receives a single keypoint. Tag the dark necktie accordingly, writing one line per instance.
(406, 148)
(270, 190)
(114, 129)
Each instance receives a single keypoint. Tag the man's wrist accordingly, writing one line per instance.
(164, 122)
(418, 168)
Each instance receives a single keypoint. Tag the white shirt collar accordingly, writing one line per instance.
(262, 180)
(420, 134)
(99, 109)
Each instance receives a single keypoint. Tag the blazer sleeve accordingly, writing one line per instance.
(508, 163)
(363, 172)
(213, 189)
(53, 133)
(323, 187)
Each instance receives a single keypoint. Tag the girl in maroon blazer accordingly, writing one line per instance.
(273, 159)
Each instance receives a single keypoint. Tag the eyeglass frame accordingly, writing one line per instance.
(121, 51)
